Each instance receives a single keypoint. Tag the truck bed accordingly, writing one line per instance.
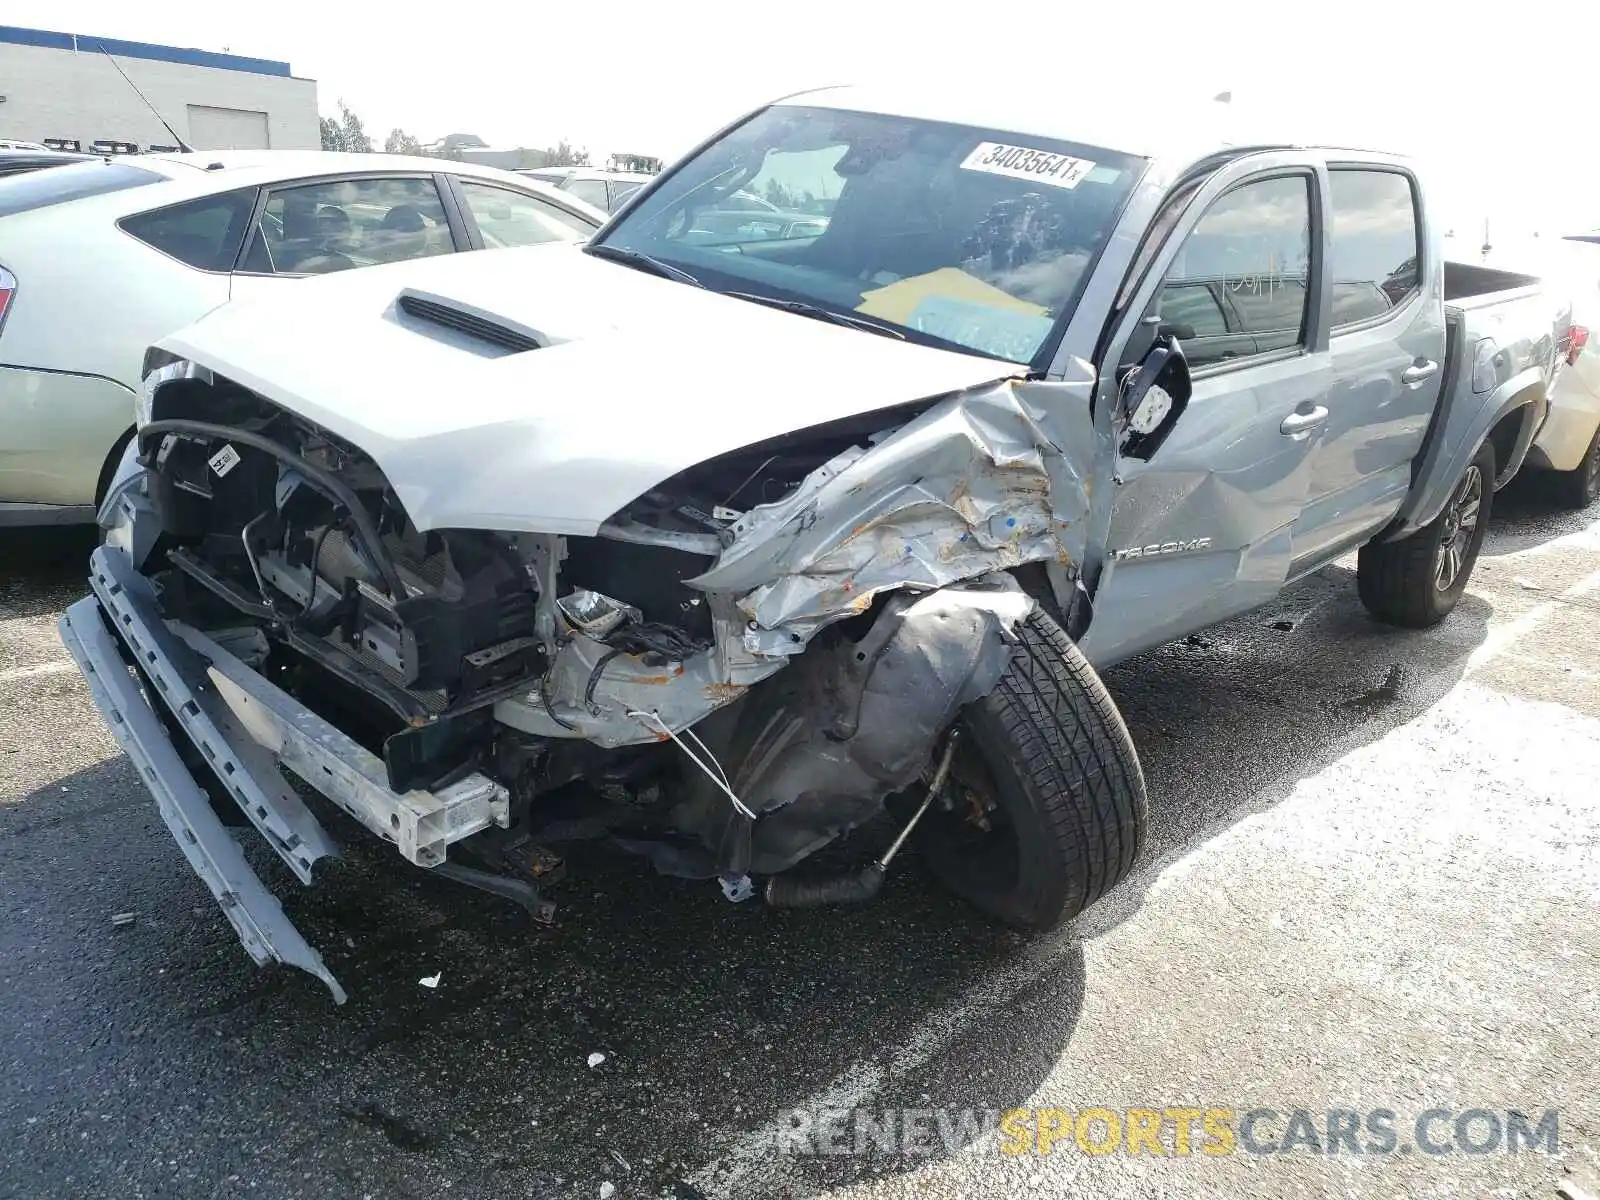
(1468, 286)
(1502, 331)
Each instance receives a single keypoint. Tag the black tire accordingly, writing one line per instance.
(1406, 582)
(1048, 751)
(1579, 487)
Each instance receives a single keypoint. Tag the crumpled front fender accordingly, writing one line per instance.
(985, 480)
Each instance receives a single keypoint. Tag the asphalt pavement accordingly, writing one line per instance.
(1372, 884)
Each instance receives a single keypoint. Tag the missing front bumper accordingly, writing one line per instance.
(267, 934)
(245, 727)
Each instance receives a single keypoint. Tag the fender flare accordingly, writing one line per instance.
(1447, 450)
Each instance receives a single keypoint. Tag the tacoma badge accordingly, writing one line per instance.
(1155, 548)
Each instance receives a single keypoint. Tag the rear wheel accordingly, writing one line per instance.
(1417, 580)
(1046, 801)
(1578, 487)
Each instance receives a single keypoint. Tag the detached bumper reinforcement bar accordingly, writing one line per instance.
(267, 934)
(246, 728)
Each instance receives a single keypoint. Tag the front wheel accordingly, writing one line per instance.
(1044, 811)
(1417, 580)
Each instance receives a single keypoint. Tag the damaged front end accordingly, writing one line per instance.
(738, 667)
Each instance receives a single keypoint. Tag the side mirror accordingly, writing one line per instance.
(1152, 396)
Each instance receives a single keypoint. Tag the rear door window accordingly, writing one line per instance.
(337, 224)
(41, 189)
(1374, 249)
(204, 234)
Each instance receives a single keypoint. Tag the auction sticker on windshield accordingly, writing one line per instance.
(1020, 162)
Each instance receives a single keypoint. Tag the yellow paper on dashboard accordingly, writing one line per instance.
(898, 300)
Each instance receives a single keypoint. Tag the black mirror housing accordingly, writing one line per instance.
(1152, 396)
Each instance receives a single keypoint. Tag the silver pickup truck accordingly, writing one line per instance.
(719, 544)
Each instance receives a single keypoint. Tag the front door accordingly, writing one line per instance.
(1205, 528)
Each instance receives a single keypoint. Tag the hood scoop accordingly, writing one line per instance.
(493, 333)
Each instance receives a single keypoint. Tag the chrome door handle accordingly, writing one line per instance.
(1299, 425)
(1417, 372)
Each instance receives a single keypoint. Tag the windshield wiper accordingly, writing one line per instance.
(633, 258)
(817, 312)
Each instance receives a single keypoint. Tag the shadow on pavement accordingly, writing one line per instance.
(1527, 515)
(43, 570)
(715, 1020)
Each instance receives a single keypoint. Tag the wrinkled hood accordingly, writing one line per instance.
(639, 378)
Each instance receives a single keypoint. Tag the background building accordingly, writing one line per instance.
(65, 87)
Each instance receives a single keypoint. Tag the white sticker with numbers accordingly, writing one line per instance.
(224, 460)
(1021, 162)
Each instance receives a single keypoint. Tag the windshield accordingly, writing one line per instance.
(972, 239)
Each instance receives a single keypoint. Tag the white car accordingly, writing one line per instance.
(102, 258)
(603, 189)
(1568, 443)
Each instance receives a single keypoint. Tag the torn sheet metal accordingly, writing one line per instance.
(981, 482)
(590, 690)
(984, 481)
(824, 743)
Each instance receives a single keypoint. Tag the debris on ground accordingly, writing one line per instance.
(120, 919)
(431, 981)
(1528, 585)
(1385, 694)
(607, 1190)
(596, 1059)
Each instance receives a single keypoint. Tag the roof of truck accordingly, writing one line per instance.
(1151, 124)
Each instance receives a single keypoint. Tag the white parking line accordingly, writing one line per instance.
(1501, 637)
(751, 1158)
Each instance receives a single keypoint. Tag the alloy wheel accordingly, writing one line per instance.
(1460, 523)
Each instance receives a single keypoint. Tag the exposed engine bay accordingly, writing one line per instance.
(543, 662)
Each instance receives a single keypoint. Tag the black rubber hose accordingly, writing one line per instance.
(315, 475)
(788, 891)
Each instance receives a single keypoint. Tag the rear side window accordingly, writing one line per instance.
(204, 234)
(1373, 252)
(41, 189)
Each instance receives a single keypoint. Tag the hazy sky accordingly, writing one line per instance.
(1503, 104)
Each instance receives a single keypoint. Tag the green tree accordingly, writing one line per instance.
(564, 154)
(345, 132)
(355, 136)
(401, 142)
